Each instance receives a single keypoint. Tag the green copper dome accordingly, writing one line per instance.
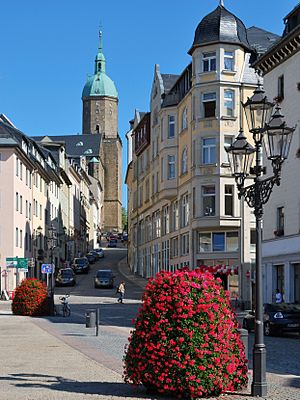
(99, 84)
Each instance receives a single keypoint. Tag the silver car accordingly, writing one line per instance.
(104, 278)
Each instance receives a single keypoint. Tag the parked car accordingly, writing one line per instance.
(125, 238)
(95, 254)
(91, 257)
(278, 318)
(81, 264)
(65, 277)
(112, 243)
(104, 278)
(100, 252)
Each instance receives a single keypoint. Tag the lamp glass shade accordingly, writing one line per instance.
(241, 155)
(258, 110)
(277, 137)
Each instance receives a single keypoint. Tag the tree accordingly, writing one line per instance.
(124, 219)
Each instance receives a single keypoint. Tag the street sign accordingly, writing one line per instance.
(47, 268)
(23, 269)
(16, 262)
(23, 263)
(11, 262)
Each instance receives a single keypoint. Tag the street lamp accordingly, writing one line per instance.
(268, 131)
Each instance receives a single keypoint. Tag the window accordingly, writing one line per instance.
(209, 105)
(153, 184)
(147, 189)
(184, 122)
(218, 241)
(204, 242)
(17, 201)
(184, 240)
(165, 254)
(174, 247)
(29, 211)
(209, 62)
(229, 102)
(17, 237)
(21, 204)
(17, 166)
(21, 238)
(26, 208)
(209, 151)
(171, 166)
(232, 241)
(280, 88)
(171, 126)
(26, 241)
(156, 224)
(185, 210)
(228, 140)
(229, 200)
(166, 220)
(175, 216)
(229, 60)
(209, 200)
(21, 170)
(184, 161)
(162, 169)
(41, 211)
(280, 221)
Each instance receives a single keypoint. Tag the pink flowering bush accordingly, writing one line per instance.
(30, 298)
(185, 342)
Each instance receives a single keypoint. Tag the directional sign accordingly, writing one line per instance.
(47, 268)
(23, 263)
(16, 262)
(11, 262)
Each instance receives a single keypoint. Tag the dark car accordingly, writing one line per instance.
(65, 277)
(112, 243)
(91, 257)
(104, 278)
(278, 318)
(100, 252)
(81, 264)
(95, 254)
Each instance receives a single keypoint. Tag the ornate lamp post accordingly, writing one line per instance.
(52, 243)
(271, 133)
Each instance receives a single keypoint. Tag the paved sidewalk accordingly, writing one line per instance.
(38, 364)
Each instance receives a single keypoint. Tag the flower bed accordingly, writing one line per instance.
(31, 298)
(185, 342)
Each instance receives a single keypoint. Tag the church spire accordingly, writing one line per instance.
(100, 59)
(221, 3)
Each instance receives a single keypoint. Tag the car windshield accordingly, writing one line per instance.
(104, 274)
(66, 273)
(79, 261)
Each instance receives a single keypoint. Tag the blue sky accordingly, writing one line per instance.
(48, 47)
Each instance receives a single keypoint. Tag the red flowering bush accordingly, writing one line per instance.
(185, 342)
(30, 298)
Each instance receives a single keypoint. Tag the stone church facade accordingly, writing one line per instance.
(100, 116)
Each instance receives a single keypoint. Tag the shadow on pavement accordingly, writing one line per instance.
(59, 383)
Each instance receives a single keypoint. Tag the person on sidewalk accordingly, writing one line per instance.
(121, 292)
(278, 296)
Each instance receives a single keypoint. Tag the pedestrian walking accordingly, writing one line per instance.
(121, 292)
(278, 296)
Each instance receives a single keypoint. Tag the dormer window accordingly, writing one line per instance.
(209, 62)
(79, 144)
(88, 151)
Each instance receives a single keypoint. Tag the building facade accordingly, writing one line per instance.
(185, 209)
(280, 68)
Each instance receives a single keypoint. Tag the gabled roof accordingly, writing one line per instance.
(169, 81)
(76, 145)
(260, 39)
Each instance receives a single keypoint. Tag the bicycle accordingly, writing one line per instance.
(66, 310)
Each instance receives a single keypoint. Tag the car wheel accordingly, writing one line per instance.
(267, 329)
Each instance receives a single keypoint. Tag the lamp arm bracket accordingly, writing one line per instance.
(258, 194)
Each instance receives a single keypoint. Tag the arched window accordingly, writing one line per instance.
(184, 161)
(184, 122)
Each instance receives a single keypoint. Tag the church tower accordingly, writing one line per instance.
(100, 116)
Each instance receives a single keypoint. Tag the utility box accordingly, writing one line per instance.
(91, 318)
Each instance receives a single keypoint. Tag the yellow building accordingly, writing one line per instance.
(185, 210)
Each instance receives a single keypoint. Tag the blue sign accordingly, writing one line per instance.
(47, 268)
